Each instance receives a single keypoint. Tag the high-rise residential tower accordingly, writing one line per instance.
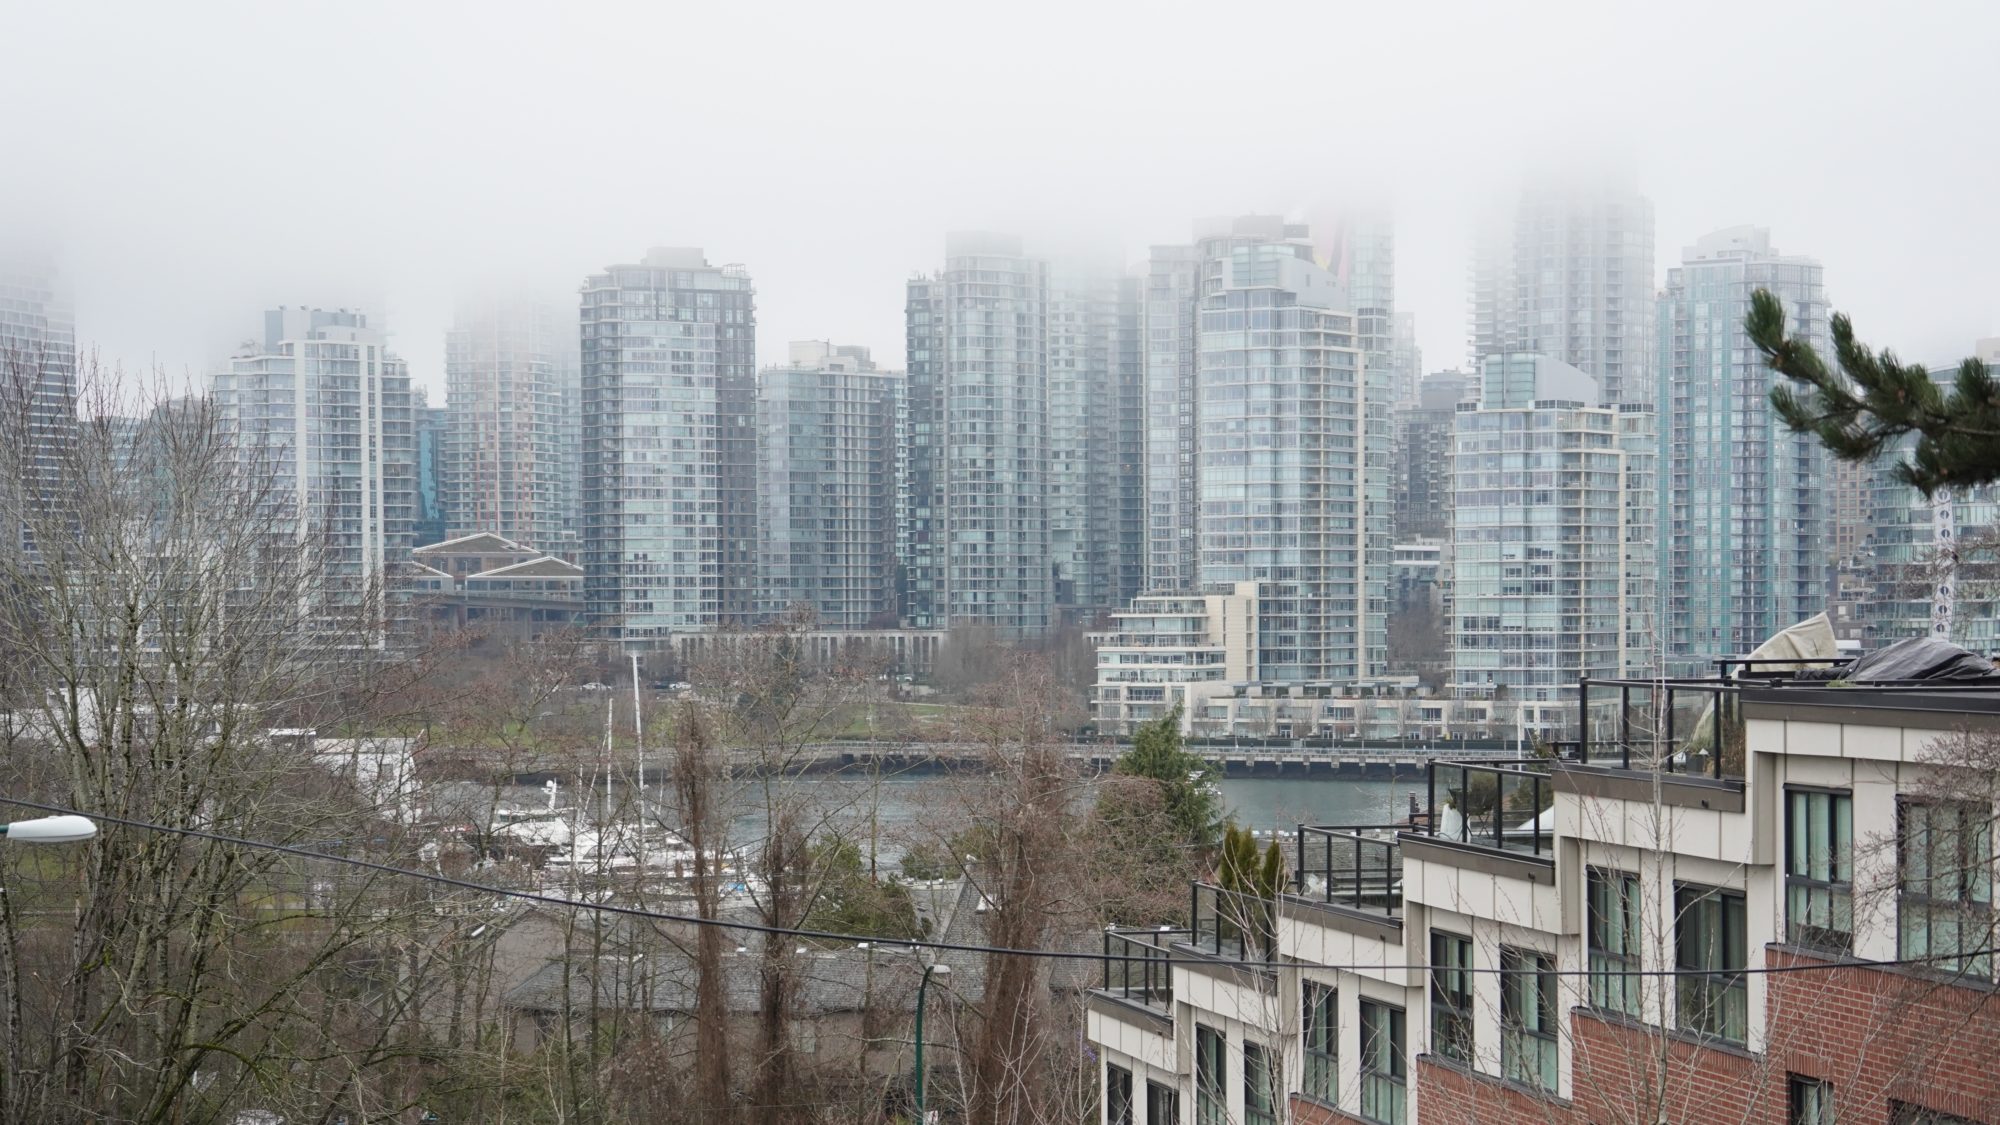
(1408, 364)
(38, 356)
(507, 366)
(1095, 425)
(1171, 296)
(320, 403)
(1362, 256)
(1744, 510)
(432, 425)
(669, 375)
(1917, 548)
(1422, 488)
(1552, 537)
(920, 539)
(569, 460)
(979, 535)
(1282, 413)
(1177, 278)
(1359, 248)
(1081, 318)
(1570, 276)
(1125, 568)
(826, 434)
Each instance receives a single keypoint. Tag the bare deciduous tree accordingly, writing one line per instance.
(1017, 828)
(165, 601)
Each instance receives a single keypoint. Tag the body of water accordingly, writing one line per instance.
(895, 808)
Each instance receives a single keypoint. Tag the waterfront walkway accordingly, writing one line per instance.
(1271, 758)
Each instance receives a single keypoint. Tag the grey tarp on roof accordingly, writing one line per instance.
(1919, 658)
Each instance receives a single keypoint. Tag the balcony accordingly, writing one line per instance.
(1138, 968)
(1688, 726)
(1231, 925)
(1355, 867)
(1695, 727)
(1506, 806)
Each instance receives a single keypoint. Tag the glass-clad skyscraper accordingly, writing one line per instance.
(1913, 545)
(1172, 291)
(1552, 537)
(321, 404)
(978, 504)
(1569, 275)
(432, 424)
(669, 358)
(1743, 527)
(1096, 436)
(826, 433)
(920, 536)
(38, 361)
(1281, 412)
(1177, 279)
(507, 364)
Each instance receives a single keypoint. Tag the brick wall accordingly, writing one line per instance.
(1622, 1066)
(1453, 1095)
(1881, 1035)
(1875, 1035)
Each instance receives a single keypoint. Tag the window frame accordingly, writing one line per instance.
(1831, 892)
(1534, 1028)
(1381, 1020)
(1163, 1103)
(1965, 906)
(1808, 1100)
(1701, 990)
(1260, 1093)
(1211, 1091)
(1319, 1073)
(1613, 985)
(1113, 1114)
(1451, 1007)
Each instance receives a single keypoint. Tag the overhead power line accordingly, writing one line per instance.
(914, 944)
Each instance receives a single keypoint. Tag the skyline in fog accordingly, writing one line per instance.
(191, 169)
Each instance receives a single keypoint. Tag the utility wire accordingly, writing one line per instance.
(946, 946)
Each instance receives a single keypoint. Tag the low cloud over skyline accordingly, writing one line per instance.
(191, 166)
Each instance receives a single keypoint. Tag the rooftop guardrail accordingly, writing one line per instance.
(1137, 965)
(1507, 806)
(1232, 924)
(1690, 726)
(1357, 866)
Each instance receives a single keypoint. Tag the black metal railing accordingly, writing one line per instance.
(1138, 967)
(1502, 805)
(1691, 726)
(1232, 924)
(1358, 866)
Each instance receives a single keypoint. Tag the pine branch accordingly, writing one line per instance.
(1874, 402)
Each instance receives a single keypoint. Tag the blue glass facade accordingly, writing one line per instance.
(1744, 526)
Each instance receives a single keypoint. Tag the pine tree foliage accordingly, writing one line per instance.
(1874, 401)
(1253, 886)
(1159, 753)
(1242, 871)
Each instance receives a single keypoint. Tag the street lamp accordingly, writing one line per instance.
(922, 984)
(66, 829)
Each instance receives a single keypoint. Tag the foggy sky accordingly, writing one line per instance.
(192, 164)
